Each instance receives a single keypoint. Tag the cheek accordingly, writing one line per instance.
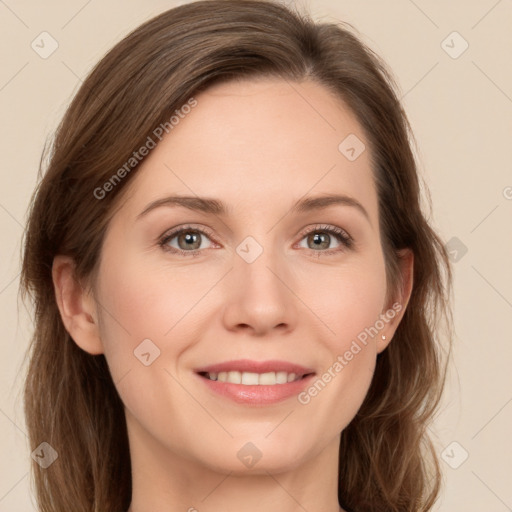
(349, 305)
(145, 327)
(141, 302)
(359, 302)
(348, 299)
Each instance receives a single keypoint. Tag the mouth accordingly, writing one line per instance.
(253, 378)
(256, 383)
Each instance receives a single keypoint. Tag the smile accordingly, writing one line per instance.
(253, 379)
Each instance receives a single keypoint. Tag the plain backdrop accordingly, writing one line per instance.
(452, 61)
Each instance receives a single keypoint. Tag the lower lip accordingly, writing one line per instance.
(257, 395)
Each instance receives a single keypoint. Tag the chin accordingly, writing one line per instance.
(257, 455)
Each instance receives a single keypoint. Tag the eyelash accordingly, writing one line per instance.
(342, 236)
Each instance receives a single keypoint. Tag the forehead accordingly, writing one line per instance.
(255, 142)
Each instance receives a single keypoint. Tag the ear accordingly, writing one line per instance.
(77, 306)
(395, 308)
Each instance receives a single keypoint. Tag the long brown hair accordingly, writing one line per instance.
(387, 461)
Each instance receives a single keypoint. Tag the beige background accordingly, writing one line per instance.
(461, 112)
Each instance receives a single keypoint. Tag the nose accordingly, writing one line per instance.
(259, 296)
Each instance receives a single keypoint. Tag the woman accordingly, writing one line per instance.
(236, 292)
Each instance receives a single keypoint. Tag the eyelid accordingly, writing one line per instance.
(188, 227)
(329, 229)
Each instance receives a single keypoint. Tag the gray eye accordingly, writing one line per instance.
(187, 240)
(319, 240)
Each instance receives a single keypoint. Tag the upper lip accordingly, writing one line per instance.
(246, 365)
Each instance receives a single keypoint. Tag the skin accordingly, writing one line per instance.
(258, 146)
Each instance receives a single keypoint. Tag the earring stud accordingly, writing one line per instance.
(383, 337)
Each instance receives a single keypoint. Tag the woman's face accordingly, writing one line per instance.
(258, 276)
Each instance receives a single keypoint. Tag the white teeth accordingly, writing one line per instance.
(234, 377)
(249, 378)
(281, 377)
(252, 379)
(267, 378)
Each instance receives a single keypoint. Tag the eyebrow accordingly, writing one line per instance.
(216, 207)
